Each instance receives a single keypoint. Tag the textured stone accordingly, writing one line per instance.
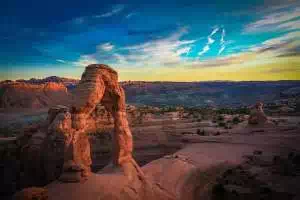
(99, 84)
(62, 149)
(26, 95)
(257, 115)
(33, 193)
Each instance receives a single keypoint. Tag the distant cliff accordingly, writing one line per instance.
(27, 93)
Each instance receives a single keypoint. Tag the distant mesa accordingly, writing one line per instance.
(55, 79)
(27, 95)
(165, 93)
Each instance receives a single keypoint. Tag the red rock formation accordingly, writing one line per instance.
(62, 147)
(26, 95)
(99, 84)
(257, 115)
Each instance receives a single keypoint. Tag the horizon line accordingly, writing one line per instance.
(18, 80)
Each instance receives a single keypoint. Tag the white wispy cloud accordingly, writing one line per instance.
(221, 49)
(115, 10)
(184, 50)
(285, 45)
(289, 26)
(279, 46)
(233, 59)
(204, 50)
(275, 21)
(222, 42)
(172, 50)
(61, 61)
(161, 51)
(210, 41)
(130, 15)
(215, 30)
(158, 52)
(105, 47)
(85, 60)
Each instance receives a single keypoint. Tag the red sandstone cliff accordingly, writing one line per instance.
(26, 95)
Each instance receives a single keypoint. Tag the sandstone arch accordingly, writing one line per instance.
(99, 84)
(60, 147)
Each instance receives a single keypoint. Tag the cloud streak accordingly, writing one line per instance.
(284, 46)
(130, 15)
(115, 10)
(61, 61)
(210, 41)
(85, 60)
(105, 47)
(172, 50)
(159, 52)
(222, 42)
(286, 19)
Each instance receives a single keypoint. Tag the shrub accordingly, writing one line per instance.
(200, 132)
(220, 118)
(236, 120)
(222, 124)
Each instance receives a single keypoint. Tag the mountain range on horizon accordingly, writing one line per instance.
(52, 90)
(64, 80)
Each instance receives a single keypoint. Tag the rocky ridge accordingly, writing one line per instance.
(24, 95)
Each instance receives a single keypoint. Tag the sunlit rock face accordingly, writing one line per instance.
(99, 84)
(257, 115)
(26, 95)
(61, 148)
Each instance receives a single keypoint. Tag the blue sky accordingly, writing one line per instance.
(152, 40)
